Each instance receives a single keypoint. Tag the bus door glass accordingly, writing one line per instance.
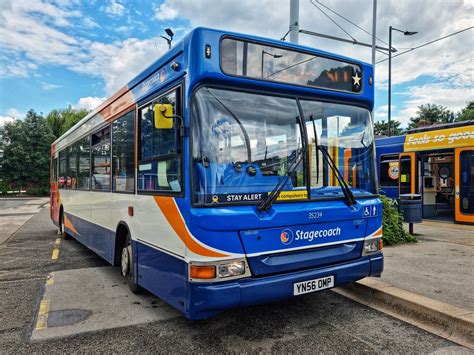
(407, 173)
(464, 184)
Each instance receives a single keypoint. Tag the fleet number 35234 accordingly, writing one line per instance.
(315, 214)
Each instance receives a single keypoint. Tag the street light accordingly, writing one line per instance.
(405, 33)
(170, 33)
(275, 56)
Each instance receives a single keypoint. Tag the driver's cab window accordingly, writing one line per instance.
(159, 167)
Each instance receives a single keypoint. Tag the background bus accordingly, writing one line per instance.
(436, 162)
(235, 170)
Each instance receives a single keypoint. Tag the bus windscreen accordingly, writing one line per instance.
(258, 61)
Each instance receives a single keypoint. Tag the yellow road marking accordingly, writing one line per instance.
(55, 254)
(49, 280)
(42, 321)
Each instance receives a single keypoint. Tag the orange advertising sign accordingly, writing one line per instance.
(440, 139)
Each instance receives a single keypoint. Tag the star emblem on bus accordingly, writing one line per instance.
(356, 79)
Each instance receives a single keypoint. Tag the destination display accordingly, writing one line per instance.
(271, 63)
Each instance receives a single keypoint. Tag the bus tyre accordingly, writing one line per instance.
(126, 265)
(62, 230)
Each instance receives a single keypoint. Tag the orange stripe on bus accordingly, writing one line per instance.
(115, 108)
(69, 225)
(379, 232)
(171, 212)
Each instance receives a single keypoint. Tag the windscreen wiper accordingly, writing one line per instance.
(242, 128)
(351, 200)
(272, 196)
(330, 162)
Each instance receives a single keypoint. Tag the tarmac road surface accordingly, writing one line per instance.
(89, 309)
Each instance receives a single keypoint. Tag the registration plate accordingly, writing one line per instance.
(300, 288)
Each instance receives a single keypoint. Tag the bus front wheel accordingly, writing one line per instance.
(126, 266)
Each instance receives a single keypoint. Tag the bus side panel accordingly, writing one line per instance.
(54, 202)
(97, 238)
(162, 274)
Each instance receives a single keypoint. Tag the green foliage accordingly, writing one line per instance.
(381, 128)
(392, 220)
(60, 120)
(466, 113)
(27, 146)
(431, 114)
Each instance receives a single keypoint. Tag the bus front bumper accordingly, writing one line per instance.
(206, 299)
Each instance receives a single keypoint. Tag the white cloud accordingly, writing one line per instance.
(48, 86)
(39, 43)
(13, 112)
(452, 97)
(119, 62)
(5, 119)
(87, 22)
(44, 39)
(114, 8)
(165, 12)
(88, 103)
(382, 113)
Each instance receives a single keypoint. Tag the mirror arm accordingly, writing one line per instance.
(181, 125)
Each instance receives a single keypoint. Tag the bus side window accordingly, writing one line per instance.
(159, 168)
(123, 153)
(100, 149)
(55, 170)
(62, 169)
(389, 170)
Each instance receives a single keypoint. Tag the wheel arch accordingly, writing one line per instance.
(120, 238)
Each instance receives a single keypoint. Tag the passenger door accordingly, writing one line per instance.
(407, 181)
(464, 184)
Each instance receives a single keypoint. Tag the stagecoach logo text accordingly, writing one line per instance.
(286, 236)
(310, 235)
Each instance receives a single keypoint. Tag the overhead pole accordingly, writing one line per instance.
(374, 31)
(294, 21)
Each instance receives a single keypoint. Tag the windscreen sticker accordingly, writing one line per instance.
(255, 196)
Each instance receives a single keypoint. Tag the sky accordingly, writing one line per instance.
(55, 53)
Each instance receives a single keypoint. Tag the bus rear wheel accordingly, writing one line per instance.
(62, 230)
(126, 265)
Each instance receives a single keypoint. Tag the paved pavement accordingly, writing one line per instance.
(320, 322)
(439, 266)
(14, 212)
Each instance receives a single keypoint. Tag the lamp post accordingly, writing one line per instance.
(275, 56)
(406, 33)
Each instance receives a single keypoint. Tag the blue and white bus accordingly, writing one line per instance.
(235, 170)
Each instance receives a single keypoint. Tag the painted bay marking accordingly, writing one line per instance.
(49, 280)
(42, 321)
(55, 254)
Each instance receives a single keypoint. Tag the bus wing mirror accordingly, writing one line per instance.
(163, 116)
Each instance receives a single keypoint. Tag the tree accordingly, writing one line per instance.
(381, 128)
(60, 120)
(431, 114)
(27, 153)
(467, 113)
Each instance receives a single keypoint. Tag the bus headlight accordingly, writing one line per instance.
(234, 268)
(372, 246)
(215, 271)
